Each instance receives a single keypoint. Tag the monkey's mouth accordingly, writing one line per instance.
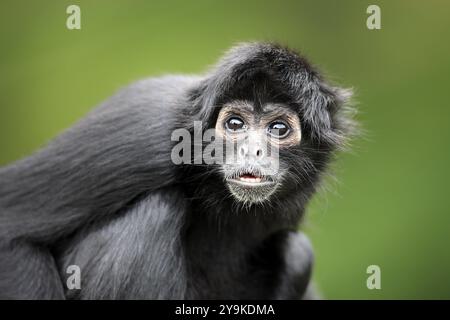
(251, 179)
(251, 186)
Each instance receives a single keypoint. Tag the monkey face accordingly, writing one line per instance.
(253, 169)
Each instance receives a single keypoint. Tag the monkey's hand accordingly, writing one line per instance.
(296, 270)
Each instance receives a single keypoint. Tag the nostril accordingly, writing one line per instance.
(242, 152)
(259, 153)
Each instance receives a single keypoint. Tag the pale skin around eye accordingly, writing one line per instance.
(271, 112)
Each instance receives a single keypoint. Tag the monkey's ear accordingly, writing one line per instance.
(329, 114)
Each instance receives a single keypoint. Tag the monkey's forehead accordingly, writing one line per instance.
(251, 107)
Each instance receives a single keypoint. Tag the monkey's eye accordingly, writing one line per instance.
(278, 129)
(235, 124)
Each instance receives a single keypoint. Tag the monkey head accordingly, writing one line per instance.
(282, 118)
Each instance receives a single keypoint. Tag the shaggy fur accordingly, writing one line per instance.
(105, 196)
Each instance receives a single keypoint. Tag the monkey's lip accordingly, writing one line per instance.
(250, 180)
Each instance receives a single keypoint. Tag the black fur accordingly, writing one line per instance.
(105, 195)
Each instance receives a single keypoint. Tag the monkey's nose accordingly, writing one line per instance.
(251, 151)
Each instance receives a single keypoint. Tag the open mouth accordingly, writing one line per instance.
(251, 179)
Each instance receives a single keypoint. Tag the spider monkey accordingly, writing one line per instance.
(105, 195)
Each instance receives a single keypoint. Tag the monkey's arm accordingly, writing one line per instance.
(118, 152)
(138, 255)
(295, 275)
(28, 272)
(282, 264)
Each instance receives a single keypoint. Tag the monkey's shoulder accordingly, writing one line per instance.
(155, 91)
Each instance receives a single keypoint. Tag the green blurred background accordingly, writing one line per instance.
(389, 204)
